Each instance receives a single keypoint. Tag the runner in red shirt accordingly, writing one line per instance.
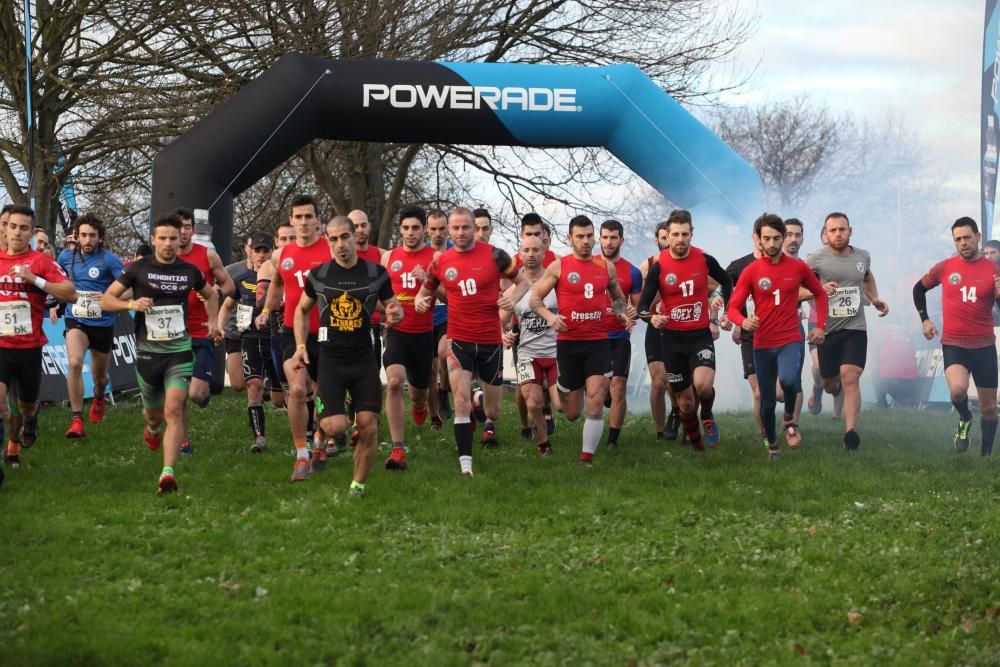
(680, 277)
(211, 267)
(583, 284)
(26, 276)
(362, 232)
(619, 335)
(773, 281)
(970, 284)
(470, 274)
(409, 347)
(294, 261)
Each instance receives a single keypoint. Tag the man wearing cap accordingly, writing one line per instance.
(255, 343)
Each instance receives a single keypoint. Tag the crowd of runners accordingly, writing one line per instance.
(314, 313)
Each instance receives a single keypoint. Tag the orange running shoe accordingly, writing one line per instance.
(75, 429)
(168, 484)
(97, 408)
(152, 439)
(13, 455)
(397, 459)
(300, 472)
(319, 459)
(792, 435)
(419, 412)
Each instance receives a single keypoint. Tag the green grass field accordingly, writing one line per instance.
(652, 556)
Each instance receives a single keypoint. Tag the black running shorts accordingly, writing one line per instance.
(483, 361)
(413, 351)
(581, 359)
(621, 357)
(981, 362)
(100, 339)
(256, 354)
(847, 347)
(685, 351)
(337, 378)
(23, 366)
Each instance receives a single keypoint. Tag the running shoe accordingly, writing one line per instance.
(587, 459)
(75, 429)
(167, 484)
(711, 432)
(545, 449)
(396, 460)
(490, 439)
(97, 409)
(792, 435)
(673, 425)
(29, 431)
(318, 459)
(962, 435)
(356, 492)
(436, 423)
(852, 440)
(332, 449)
(773, 453)
(468, 474)
(527, 433)
(300, 472)
(153, 440)
(259, 445)
(550, 424)
(13, 455)
(419, 412)
(187, 448)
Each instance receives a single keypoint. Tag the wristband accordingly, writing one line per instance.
(714, 321)
(40, 282)
(265, 310)
(130, 304)
(300, 346)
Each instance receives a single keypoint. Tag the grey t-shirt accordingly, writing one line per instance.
(233, 270)
(846, 310)
(537, 339)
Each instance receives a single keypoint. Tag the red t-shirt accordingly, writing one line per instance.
(683, 287)
(472, 282)
(296, 262)
(22, 306)
(197, 314)
(630, 280)
(547, 259)
(401, 264)
(582, 293)
(966, 300)
(775, 292)
(374, 255)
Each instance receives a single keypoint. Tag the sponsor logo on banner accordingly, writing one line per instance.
(409, 96)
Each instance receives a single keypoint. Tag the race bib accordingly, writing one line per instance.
(15, 318)
(244, 317)
(165, 323)
(322, 335)
(751, 306)
(525, 371)
(87, 306)
(845, 301)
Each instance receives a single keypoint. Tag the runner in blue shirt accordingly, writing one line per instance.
(92, 268)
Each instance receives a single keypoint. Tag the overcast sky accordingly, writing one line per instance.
(918, 58)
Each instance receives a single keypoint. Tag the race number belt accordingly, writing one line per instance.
(15, 318)
(165, 323)
(845, 301)
(244, 317)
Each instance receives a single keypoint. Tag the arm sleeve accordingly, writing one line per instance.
(739, 299)
(199, 280)
(920, 299)
(650, 288)
(505, 265)
(812, 283)
(636, 280)
(308, 287)
(720, 276)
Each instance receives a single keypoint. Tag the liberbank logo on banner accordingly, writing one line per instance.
(407, 96)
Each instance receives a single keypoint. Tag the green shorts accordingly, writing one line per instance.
(158, 372)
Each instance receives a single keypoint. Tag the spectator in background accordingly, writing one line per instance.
(991, 251)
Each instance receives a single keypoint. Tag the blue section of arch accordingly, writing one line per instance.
(620, 108)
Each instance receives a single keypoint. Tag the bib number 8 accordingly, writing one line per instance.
(588, 290)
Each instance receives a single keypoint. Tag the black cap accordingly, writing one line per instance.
(262, 241)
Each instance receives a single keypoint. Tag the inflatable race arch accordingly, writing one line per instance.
(302, 98)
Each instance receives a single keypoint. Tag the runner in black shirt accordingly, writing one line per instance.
(160, 286)
(347, 291)
(255, 344)
(745, 338)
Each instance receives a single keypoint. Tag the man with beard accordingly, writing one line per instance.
(845, 272)
(970, 284)
(92, 268)
(774, 281)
